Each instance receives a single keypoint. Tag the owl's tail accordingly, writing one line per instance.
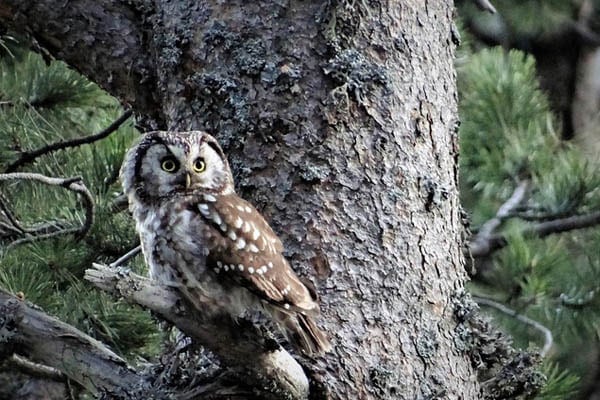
(304, 334)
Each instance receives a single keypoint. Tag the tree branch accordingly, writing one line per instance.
(260, 363)
(29, 156)
(485, 5)
(45, 339)
(74, 184)
(547, 333)
(481, 242)
(542, 229)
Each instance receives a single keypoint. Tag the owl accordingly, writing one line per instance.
(200, 237)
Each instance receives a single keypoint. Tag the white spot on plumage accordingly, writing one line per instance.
(216, 270)
(241, 267)
(270, 264)
(240, 243)
(286, 306)
(255, 234)
(232, 235)
(223, 227)
(247, 209)
(204, 209)
(219, 264)
(247, 226)
(226, 267)
(264, 269)
(240, 208)
(259, 271)
(238, 223)
(251, 270)
(216, 218)
(210, 197)
(252, 248)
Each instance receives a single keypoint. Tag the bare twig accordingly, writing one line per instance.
(548, 340)
(486, 5)
(74, 184)
(126, 257)
(481, 241)
(542, 229)
(38, 370)
(29, 156)
(9, 215)
(259, 362)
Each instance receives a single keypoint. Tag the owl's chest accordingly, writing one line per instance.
(172, 244)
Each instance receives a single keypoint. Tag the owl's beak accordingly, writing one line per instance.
(188, 180)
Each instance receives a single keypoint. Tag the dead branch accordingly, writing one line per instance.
(259, 362)
(486, 5)
(74, 184)
(547, 333)
(481, 242)
(45, 339)
(38, 370)
(540, 230)
(29, 156)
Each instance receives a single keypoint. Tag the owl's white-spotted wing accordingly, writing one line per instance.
(245, 248)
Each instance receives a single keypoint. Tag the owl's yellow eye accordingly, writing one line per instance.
(168, 164)
(199, 165)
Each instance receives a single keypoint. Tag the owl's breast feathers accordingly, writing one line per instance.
(245, 248)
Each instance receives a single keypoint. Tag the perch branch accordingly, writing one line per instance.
(61, 347)
(73, 184)
(261, 363)
(548, 340)
(29, 156)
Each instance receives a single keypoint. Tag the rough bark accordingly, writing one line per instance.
(30, 332)
(339, 119)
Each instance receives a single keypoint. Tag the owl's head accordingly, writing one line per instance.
(166, 164)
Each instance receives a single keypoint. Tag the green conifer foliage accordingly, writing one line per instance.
(42, 104)
(509, 135)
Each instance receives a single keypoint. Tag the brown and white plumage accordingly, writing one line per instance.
(199, 236)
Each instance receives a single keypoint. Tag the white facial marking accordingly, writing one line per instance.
(251, 270)
(210, 197)
(252, 248)
(241, 267)
(240, 243)
(238, 223)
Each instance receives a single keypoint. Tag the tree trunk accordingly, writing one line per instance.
(339, 120)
